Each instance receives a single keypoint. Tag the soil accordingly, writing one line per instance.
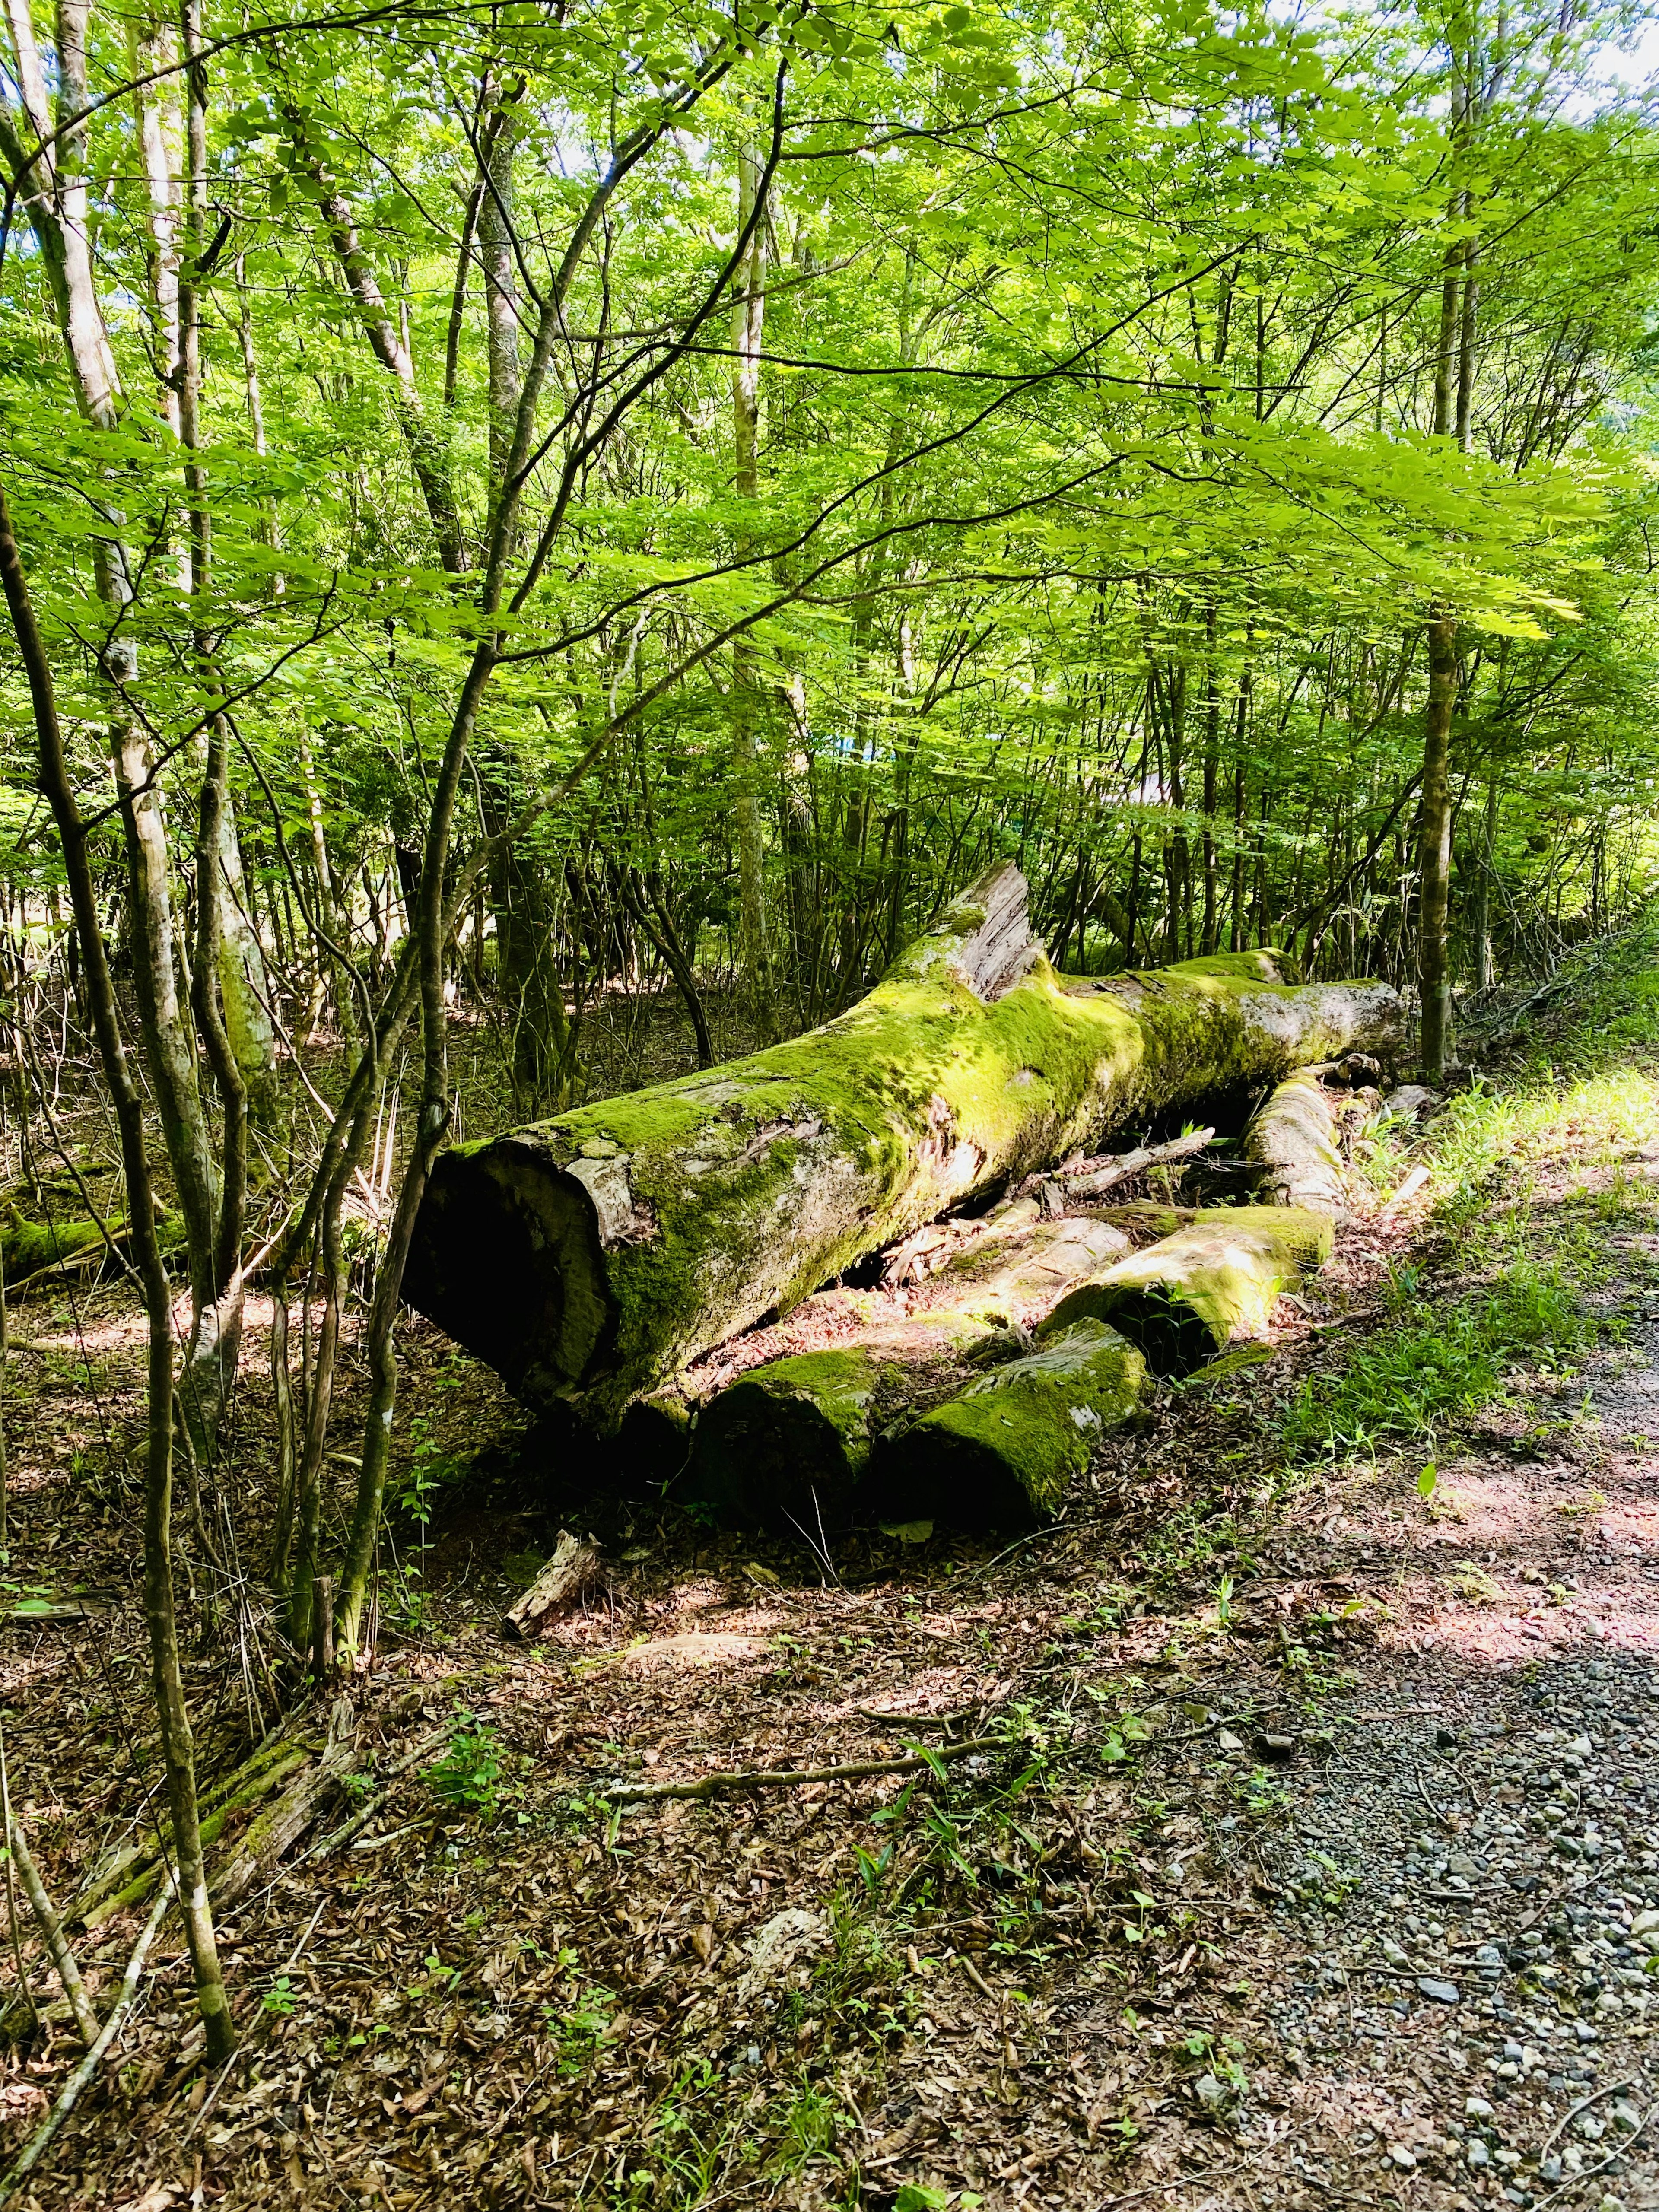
(1304, 1857)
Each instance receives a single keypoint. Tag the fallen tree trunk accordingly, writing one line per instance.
(1291, 1145)
(589, 1257)
(1004, 1452)
(788, 1441)
(1211, 1285)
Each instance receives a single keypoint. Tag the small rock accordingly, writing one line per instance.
(1477, 2108)
(1228, 1741)
(1590, 2127)
(1437, 1992)
(1276, 1747)
(1403, 2158)
(1210, 2093)
(1477, 2153)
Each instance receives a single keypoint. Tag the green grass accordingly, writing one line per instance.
(1436, 1361)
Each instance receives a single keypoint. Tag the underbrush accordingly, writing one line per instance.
(1437, 1360)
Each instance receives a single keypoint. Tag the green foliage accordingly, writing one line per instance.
(470, 1774)
(1435, 1361)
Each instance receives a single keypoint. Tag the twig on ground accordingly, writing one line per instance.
(713, 1785)
(40, 2141)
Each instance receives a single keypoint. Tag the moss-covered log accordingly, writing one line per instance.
(1291, 1145)
(788, 1440)
(1210, 1286)
(589, 1257)
(1003, 1453)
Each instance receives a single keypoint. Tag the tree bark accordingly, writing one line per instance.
(788, 1440)
(589, 1257)
(1211, 1285)
(1433, 951)
(1292, 1143)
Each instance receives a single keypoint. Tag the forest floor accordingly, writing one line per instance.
(1311, 1854)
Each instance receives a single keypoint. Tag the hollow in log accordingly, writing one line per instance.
(589, 1257)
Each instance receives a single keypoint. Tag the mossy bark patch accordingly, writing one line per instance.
(1292, 1143)
(591, 1256)
(787, 1442)
(1210, 1286)
(1004, 1452)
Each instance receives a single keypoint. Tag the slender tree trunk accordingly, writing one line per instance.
(178, 1748)
(747, 316)
(1433, 960)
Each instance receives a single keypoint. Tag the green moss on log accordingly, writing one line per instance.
(591, 1256)
(787, 1442)
(1004, 1452)
(1212, 1285)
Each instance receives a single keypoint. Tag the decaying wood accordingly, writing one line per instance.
(788, 1441)
(1211, 1285)
(1082, 1178)
(1291, 1145)
(589, 1257)
(1004, 1452)
(273, 1833)
(296, 1765)
(574, 1565)
(52, 1933)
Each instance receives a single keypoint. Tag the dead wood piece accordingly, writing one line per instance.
(295, 1761)
(1089, 1178)
(575, 1563)
(1292, 1143)
(591, 1257)
(717, 1785)
(787, 1442)
(1211, 1285)
(272, 1834)
(1004, 1452)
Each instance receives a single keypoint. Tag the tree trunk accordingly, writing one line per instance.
(748, 313)
(1433, 953)
(589, 1257)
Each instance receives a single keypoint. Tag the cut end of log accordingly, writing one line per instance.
(507, 1259)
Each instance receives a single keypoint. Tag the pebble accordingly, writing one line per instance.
(1438, 1992)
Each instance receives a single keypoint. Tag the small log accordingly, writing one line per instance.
(285, 1765)
(574, 1565)
(589, 1257)
(1004, 1452)
(1090, 1178)
(272, 1832)
(787, 1442)
(1211, 1285)
(1292, 1143)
